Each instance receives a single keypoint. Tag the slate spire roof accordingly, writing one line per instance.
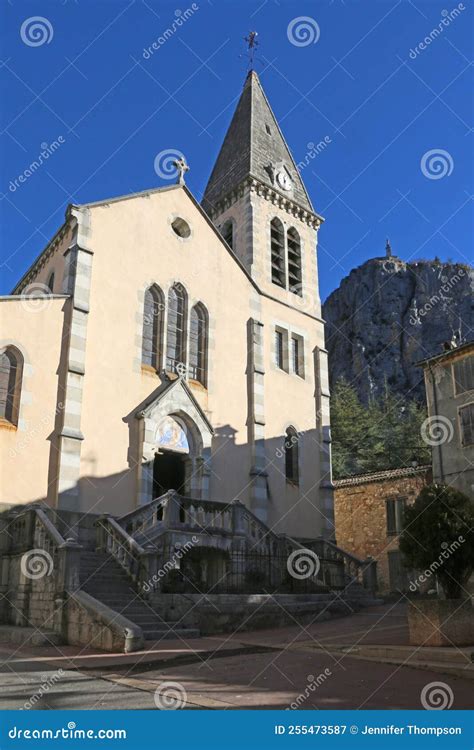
(253, 143)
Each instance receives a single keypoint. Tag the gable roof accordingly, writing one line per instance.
(165, 390)
(448, 354)
(381, 476)
(249, 149)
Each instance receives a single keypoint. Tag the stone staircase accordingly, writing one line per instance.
(104, 579)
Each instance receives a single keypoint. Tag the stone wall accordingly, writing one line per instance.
(28, 601)
(361, 516)
(90, 623)
(225, 613)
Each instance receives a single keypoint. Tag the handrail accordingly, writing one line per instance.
(149, 508)
(53, 532)
(343, 552)
(121, 531)
(130, 555)
(141, 508)
(132, 634)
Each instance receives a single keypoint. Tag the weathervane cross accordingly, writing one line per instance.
(252, 44)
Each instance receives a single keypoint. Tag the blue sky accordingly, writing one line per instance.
(357, 79)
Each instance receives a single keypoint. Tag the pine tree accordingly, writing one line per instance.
(384, 435)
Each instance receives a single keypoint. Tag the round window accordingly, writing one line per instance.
(181, 228)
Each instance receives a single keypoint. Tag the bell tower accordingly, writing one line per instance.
(256, 198)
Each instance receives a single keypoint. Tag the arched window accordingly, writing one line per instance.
(11, 370)
(277, 247)
(291, 456)
(227, 231)
(152, 327)
(198, 344)
(294, 262)
(51, 283)
(175, 335)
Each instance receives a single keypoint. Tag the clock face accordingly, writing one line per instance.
(284, 180)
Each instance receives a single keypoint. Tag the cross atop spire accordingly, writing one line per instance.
(252, 44)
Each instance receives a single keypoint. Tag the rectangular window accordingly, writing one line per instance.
(463, 372)
(466, 416)
(297, 355)
(395, 508)
(279, 353)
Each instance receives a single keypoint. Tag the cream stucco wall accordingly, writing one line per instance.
(36, 328)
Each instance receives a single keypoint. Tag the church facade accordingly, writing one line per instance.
(179, 346)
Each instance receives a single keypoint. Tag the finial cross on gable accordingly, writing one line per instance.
(181, 168)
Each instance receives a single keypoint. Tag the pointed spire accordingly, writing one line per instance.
(388, 249)
(254, 146)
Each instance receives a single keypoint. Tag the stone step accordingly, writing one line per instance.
(158, 635)
(30, 636)
(109, 584)
(410, 655)
(151, 623)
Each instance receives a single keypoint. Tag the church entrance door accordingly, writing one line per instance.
(168, 473)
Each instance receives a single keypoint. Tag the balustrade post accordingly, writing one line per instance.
(369, 574)
(101, 536)
(238, 518)
(147, 578)
(171, 511)
(67, 580)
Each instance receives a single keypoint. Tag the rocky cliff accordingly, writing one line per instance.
(388, 314)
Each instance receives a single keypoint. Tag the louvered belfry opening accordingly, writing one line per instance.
(228, 233)
(277, 239)
(294, 262)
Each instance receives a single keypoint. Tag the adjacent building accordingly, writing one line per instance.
(449, 429)
(369, 518)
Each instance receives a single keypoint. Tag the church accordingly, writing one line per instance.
(164, 412)
(158, 343)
